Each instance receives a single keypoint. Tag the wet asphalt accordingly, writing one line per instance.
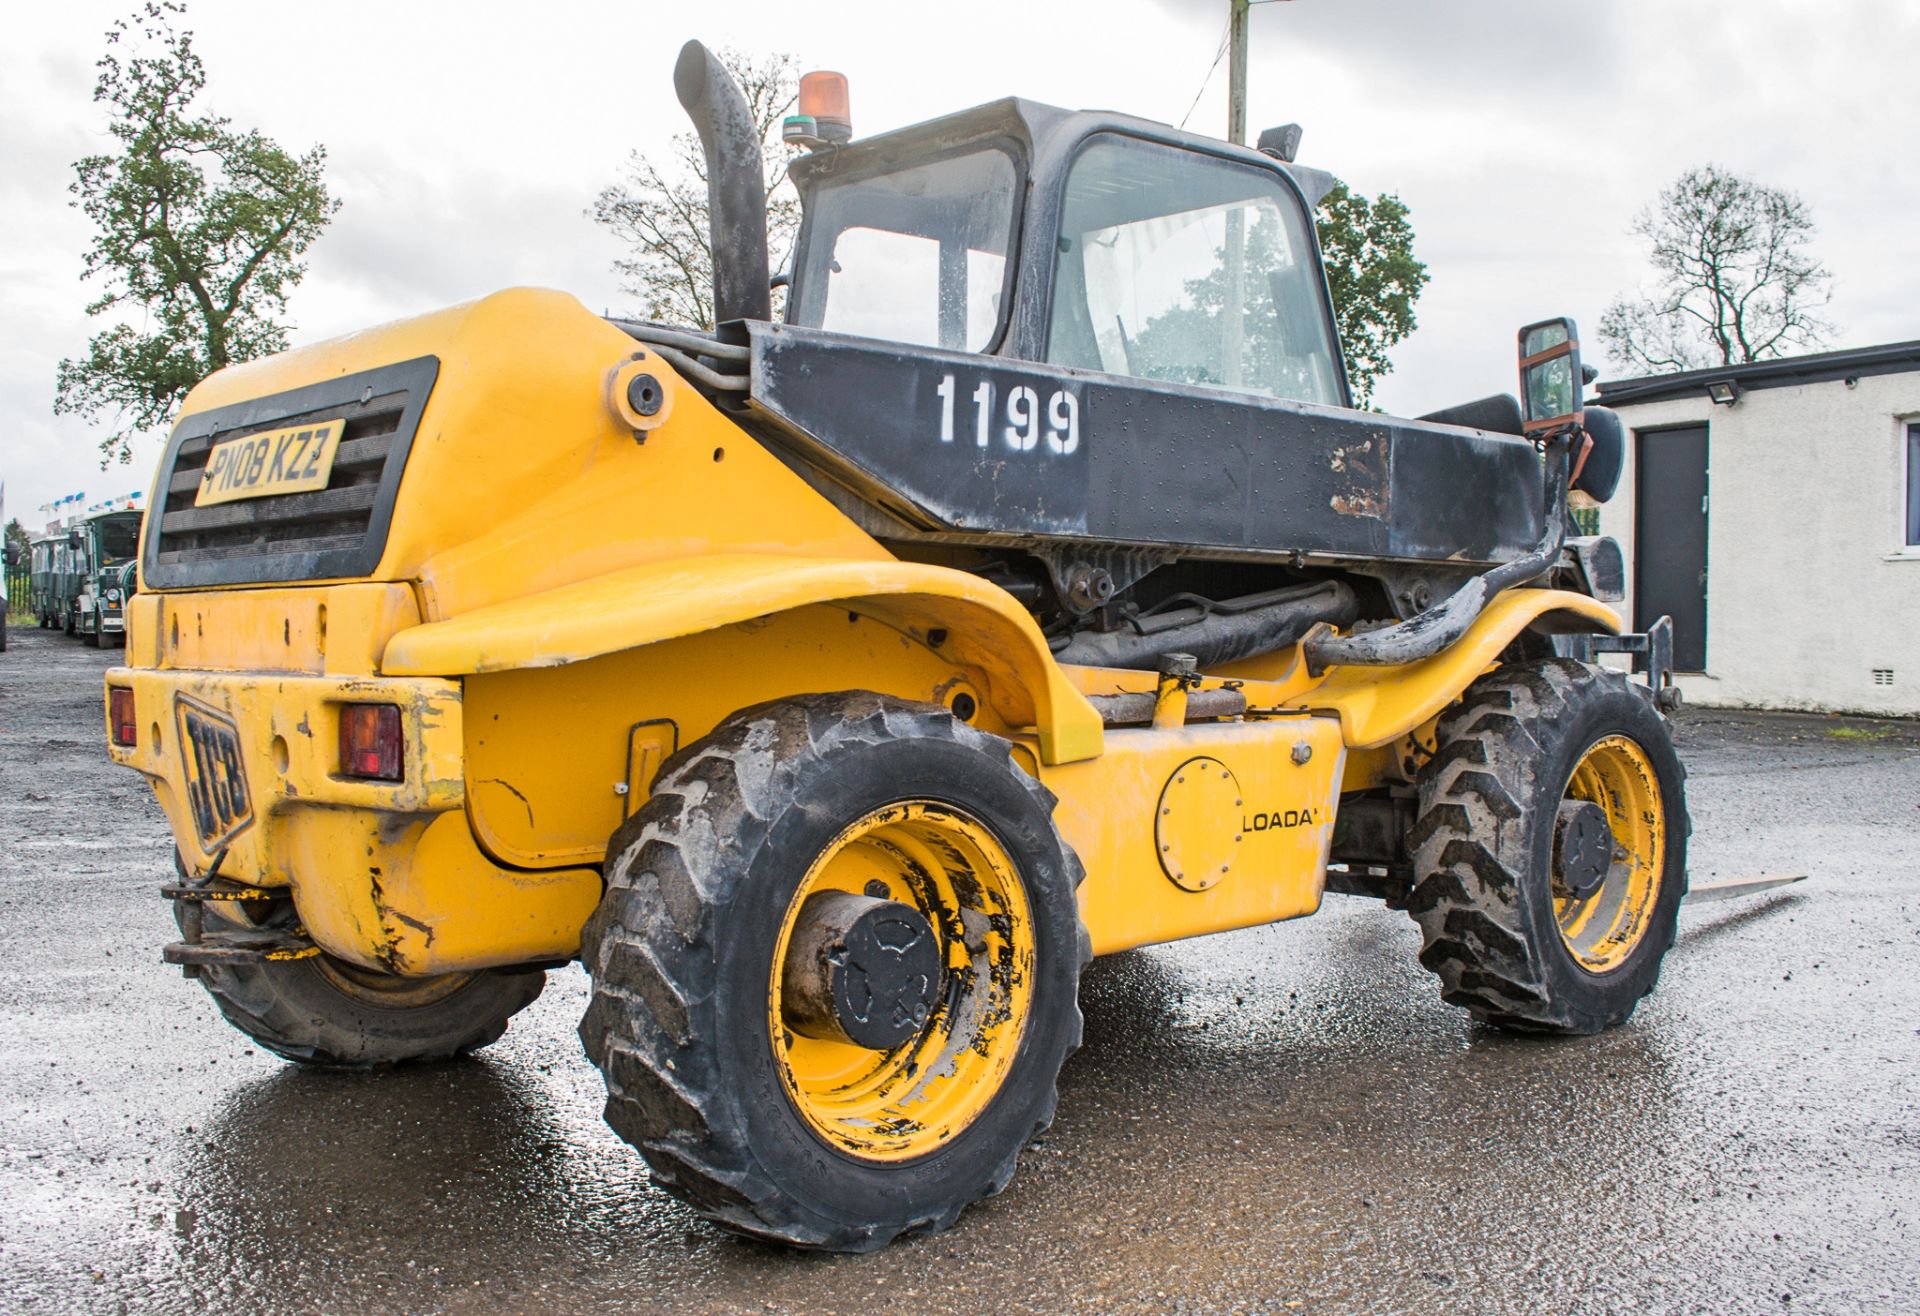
(1280, 1120)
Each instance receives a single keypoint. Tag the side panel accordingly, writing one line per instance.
(976, 444)
(427, 901)
(1244, 807)
(548, 748)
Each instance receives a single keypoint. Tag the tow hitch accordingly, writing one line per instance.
(230, 944)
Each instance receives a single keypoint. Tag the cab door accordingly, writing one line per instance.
(1193, 269)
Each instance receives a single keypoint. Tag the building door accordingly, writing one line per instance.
(1670, 539)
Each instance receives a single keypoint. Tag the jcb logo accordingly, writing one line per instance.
(216, 783)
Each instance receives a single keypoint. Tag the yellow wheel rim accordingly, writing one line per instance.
(902, 1103)
(1602, 930)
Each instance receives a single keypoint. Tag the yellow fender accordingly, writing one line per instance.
(646, 604)
(1378, 705)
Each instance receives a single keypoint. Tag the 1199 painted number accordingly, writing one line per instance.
(1024, 422)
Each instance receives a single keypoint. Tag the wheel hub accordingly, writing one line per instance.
(1582, 849)
(860, 970)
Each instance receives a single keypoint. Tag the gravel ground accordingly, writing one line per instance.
(1284, 1119)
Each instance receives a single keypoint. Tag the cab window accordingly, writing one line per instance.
(916, 255)
(1192, 269)
(117, 541)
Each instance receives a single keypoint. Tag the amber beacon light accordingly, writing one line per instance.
(824, 118)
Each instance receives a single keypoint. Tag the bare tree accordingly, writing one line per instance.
(660, 208)
(1736, 283)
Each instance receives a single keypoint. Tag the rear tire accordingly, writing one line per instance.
(327, 1013)
(1508, 936)
(780, 1135)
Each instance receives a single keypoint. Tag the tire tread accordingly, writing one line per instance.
(1471, 845)
(646, 949)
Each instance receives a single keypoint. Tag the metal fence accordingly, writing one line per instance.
(17, 586)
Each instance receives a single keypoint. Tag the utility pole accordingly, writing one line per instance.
(1237, 73)
(1233, 321)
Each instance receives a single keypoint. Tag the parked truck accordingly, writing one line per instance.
(835, 687)
(51, 576)
(86, 574)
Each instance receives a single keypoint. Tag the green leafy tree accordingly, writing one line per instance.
(1367, 247)
(1736, 283)
(659, 206)
(199, 230)
(17, 536)
(1184, 343)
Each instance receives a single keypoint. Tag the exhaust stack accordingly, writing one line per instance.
(736, 187)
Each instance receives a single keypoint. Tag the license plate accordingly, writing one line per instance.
(296, 459)
(216, 785)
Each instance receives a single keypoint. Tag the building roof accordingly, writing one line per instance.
(1815, 368)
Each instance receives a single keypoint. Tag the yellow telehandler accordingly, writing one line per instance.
(834, 688)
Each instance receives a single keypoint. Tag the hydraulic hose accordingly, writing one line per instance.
(683, 349)
(1220, 636)
(1435, 629)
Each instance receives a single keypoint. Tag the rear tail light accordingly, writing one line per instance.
(370, 745)
(120, 722)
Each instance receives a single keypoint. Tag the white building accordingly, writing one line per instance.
(1773, 510)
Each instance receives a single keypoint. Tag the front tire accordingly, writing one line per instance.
(741, 1104)
(1550, 851)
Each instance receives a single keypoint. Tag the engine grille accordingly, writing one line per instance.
(338, 531)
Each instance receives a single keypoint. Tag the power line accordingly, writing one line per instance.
(1217, 56)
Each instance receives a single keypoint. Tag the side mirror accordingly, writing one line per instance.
(13, 555)
(1550, 377)
(73, 539)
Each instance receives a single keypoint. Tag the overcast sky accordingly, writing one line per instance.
(466, 140)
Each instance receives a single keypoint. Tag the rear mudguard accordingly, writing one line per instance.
(969, 620)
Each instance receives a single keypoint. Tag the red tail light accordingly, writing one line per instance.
(370, 744)
(120, 721)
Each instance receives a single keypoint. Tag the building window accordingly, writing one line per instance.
(1913, 486)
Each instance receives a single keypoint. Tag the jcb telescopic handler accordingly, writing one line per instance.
(834, 688)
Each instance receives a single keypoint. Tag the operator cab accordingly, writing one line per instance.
(1092, 241)
(1095, 358)
(116, 538)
